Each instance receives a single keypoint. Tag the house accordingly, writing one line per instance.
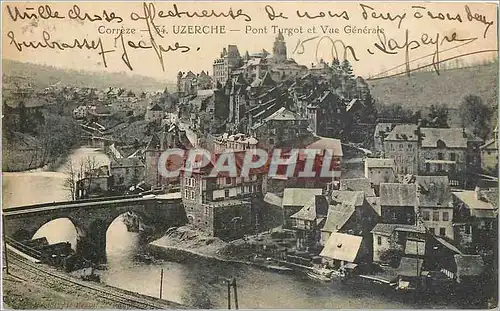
(435, 204)
(126, 172)
(476, 219)
(489, 156)
(401, 144)
(345, 251)
(381, 131)
(93, 184)
(204, 196)
(228, 61)
(154, 113)
(294, 199)
(325, 114)
(389, 240)
(380, 171)
(170, 137)
(308, 221)
(357, 184)
(398, 203)
(453, 152)
(279, 129)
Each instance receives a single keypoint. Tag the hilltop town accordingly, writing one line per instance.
(410, 201)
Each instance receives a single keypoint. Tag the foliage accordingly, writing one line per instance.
(438, 117)
(476, 115)
(391, 256)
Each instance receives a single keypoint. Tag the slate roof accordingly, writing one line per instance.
(470, 199)
(469, 265)
(357, 184)
(403, 132)
(284, 114)
(434, 191)
(374, 202)
(338, 216)
(314, 209)
(452, 137)
(342, 246)
(326, 143)
(393, 194)
(382, 127)
(156, 107)
(388, 229)
(355, 198)
(273, 199)
(299, 196)
(380, 163)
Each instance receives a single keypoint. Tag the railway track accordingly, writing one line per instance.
(117, 296)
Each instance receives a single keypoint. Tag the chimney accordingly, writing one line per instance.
(477, 193)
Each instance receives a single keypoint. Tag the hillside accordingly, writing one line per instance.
(41, 76)
(422, 89)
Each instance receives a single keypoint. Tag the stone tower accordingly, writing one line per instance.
(279, 48)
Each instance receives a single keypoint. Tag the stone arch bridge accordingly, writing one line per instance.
(92, 218)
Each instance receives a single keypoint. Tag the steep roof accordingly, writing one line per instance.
(355, 198)
(452, 137)
(337, 217)
(273, 199)
(357, 184)
(156, 107)
(470, 199)
(342, 247)
(469, 265)
(393, 194)
(326, 143)
(403, 132)
(314, 209)
(284, 114)
(434, 191)
(299, 196)
(388, 229)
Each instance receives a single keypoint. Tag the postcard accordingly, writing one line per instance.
(254, 155)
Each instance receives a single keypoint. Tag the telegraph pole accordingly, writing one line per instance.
(5, 245)
(228, 294)
(161, 283)
(235, 294)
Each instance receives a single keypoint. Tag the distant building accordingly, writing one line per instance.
(402, 144)
(294, 199)
(380, 171)
(395, 238)
(236, 142)
(435, 205)
(126, 172)
(489, 155)
(453, 152)
(154, 113)
(228, 61)
(398, 203)
(308, 221)
(325, 115)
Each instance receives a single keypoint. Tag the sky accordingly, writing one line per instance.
(416, 25)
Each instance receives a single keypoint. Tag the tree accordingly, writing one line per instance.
(475, 115)
(82, 173)
(438, 117)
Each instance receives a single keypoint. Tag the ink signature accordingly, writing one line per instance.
(345, 49)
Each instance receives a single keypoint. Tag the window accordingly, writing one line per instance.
(400, 146)
(426, 215)
(467, 229)
(440, 156)
(446, 216)
(409, 146)
(192, 195)
(186, 194)
(452, 157)
(442, 231)
(394, 215)
(379, 240)
(427, 167)
(432, 230)
(226, 193)
(435, 216)
(228, 180)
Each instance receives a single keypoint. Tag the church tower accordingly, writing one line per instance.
(279, 48)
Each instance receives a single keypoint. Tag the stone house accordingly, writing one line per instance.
(154, 113)
(294, 199)
(402, 144)
(398, 203)
(325, 114)
(308, 221)
(345, 251)
(380, 171)
(435, 205)
(453, 152)
(476, 219)
(396, 238)
(126, 172)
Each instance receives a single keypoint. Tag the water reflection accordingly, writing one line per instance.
(58, 230)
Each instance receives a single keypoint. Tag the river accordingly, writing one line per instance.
(200, 282)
